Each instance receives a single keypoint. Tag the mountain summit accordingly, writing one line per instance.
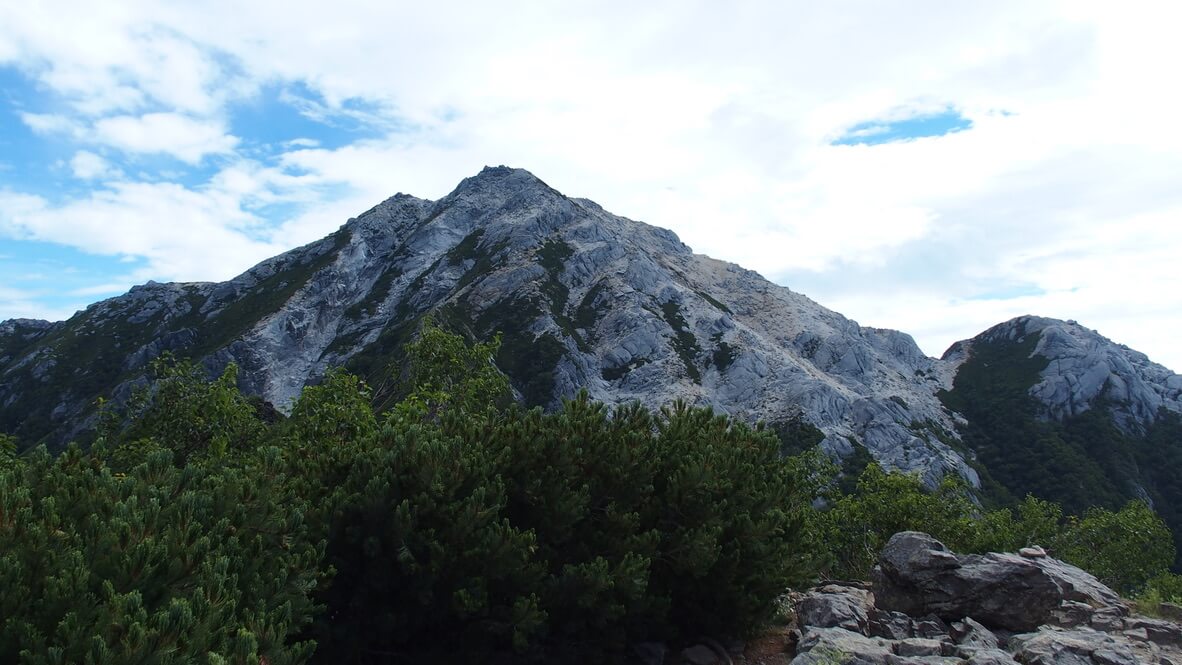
(585, 300)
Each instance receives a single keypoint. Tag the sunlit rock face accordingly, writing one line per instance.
(585, 300)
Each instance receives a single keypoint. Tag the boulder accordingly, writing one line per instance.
(987, 657)
(825, 646)
(918, 575)
(1156, 630)
(649, 653)
(1082, 646)
(919, 646)
(891, 625)
(972, 635)
(836, 606)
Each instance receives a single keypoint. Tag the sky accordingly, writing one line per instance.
(934, 167)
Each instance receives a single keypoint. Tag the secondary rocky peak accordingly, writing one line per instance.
(1085, 369)
(586, 300)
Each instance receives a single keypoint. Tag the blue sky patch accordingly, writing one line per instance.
(876, 132)
(1009, 292)
(280, 114)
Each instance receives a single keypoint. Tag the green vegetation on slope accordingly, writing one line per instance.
(203, 529)
(1081, 462)
(684, 341)
(87, 355)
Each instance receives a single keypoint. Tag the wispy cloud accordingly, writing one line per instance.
(89, 166)
(186, 138)
(716, 122)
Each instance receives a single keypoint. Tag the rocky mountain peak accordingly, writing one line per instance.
(587, 300)
(1084, 369)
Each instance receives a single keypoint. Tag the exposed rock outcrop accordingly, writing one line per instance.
(918, 575)
(586, 299)
(929, 605)
(1084, 368)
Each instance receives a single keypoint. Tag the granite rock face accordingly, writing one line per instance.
(918, 575)
(1086, 368)
(586, 299)
(954, 614)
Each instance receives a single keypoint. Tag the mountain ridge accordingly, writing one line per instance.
(586, 299)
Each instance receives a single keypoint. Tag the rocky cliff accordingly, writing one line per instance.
(929, 605)
(1084, 369)
(585, 299)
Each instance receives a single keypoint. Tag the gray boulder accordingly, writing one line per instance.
(988, 657)
(891, 625)
(1082, 646)
(836, 606)
(828, 646)
(918, 575)
(972, 635)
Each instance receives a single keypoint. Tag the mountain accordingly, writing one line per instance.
(1054, 409)
(585, 299)
(590, 300)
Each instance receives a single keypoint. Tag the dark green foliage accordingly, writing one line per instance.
(1125, 549)
(552, 256)
(853, 466)
(856, 526)
(684, 341)
(1159, 459)
(564, 535)
(161, 565)
(1082, 462)
(204, 527)
(22, 338)
(724, 354)
(588, 312)
(465, 250)
(729, 512)
(83, 357)
(469, 249)
(334, 413)
(182, 412)
(530, 361)
(88, 354)
(534, 364)
(445, 373)
(8, 456)
(1025, 454)
(376, 295)
(426, 564)
(710, 299)
(380, 363)
(796, 435)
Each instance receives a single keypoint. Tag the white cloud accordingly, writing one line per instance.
(185, 235)
(26, 304)
(47, 123)
(88, 166)
(713, 121)
(188, 139)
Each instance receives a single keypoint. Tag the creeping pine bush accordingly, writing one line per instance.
(161, 564)
(1130, 550)
(576, 532)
